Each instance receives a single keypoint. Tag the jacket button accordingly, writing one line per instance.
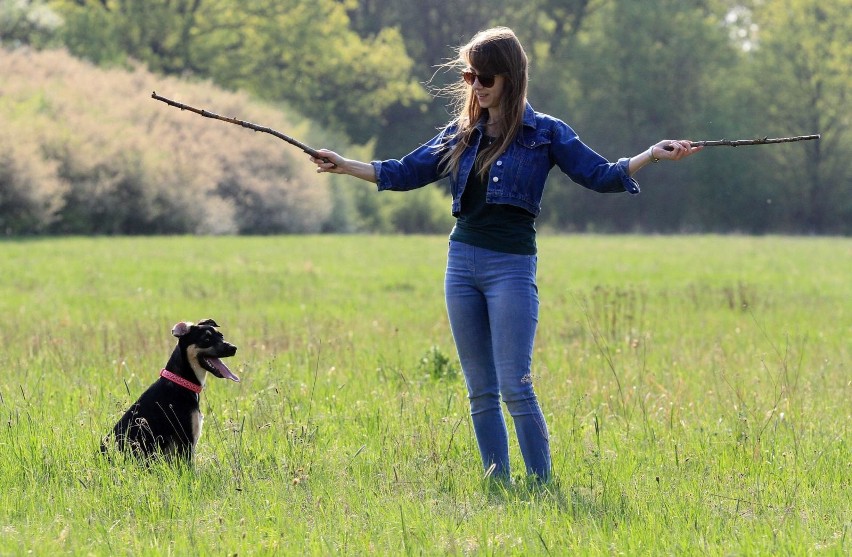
(495, 179)
(499, 163)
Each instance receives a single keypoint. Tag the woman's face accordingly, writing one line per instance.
(489, 97)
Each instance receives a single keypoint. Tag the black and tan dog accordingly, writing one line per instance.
(166, 420)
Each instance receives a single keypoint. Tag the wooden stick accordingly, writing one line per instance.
(207, 114)
(738, 142)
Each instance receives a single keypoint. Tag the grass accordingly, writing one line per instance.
(696, 388)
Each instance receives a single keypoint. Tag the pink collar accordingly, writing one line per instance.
(174, 378)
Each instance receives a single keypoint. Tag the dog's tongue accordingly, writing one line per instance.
(223, 370)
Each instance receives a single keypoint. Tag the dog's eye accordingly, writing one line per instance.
(209, 338)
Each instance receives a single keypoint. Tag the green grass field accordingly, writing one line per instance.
(697, 391)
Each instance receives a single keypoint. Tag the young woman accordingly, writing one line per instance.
(497, 152)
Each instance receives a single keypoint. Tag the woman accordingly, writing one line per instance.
(497, 152)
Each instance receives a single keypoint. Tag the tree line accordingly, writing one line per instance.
(623, 73)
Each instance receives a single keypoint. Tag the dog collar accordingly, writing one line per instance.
(174, 378)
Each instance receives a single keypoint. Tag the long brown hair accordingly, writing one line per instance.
(490, 52)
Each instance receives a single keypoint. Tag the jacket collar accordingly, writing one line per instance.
(529, 116)
(528, 120)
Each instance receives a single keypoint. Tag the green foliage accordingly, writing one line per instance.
(28, 22)
(430, 31)
(681, 422)
(311, 60)
(92, 34)
(302, 53)
(424, 211)
(437, 365)
(803, 58)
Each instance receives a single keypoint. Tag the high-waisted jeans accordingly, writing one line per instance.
(492, 303)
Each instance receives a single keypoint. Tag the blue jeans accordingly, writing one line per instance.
(492, 303)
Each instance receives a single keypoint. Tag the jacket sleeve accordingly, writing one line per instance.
(586, 167)
(415, 170)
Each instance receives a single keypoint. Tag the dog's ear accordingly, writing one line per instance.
(181, 329)
(209, 322)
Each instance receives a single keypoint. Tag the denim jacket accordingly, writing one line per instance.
(518, 176)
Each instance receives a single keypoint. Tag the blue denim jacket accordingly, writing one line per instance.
(518, 176)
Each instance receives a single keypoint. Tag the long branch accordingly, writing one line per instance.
(207, 114)
(738, 142)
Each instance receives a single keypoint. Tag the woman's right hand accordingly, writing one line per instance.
(330, 161)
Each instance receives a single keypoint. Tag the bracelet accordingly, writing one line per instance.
(651, 154)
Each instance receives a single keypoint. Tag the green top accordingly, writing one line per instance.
(498, 227)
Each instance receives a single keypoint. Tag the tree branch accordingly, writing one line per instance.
(207, 114)
(738, 142)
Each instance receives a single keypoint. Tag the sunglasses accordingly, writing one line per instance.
(484, 80)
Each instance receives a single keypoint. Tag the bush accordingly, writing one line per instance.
(30, 194)
(95, 154)
(438, 365)
(423, 211)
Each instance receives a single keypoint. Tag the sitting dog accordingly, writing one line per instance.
(166, 420)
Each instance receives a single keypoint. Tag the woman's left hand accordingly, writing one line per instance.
(673, 150)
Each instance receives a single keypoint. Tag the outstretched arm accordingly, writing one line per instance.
(339, 165)
(668, 149)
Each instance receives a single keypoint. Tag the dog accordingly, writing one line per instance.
(166, 420)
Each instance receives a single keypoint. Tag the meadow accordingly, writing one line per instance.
(697, 391)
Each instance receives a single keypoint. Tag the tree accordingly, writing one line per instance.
(431, 30)
(289, 51)
(30, 22)
(629, 78)
(305, 54)
(157, 32)
(802, 60)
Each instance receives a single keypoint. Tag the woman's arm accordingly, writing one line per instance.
(339, 165)
(659, 151)
(415, 170)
